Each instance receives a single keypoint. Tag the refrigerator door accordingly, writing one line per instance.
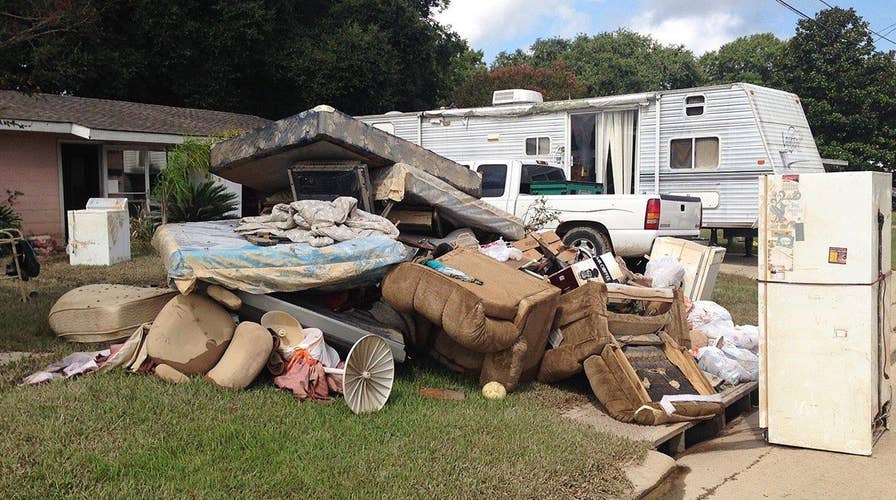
(821, 363)
(824, 228)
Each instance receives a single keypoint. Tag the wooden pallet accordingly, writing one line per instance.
(671, 438)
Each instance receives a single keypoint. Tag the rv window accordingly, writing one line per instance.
(538, 146)
(693, 105)
(681, 153)
(700, 152)
(493, 180)
(707, 152)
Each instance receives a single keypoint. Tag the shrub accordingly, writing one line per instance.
(202, 202)
(9, 218)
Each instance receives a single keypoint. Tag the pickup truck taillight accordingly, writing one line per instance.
(652, 217)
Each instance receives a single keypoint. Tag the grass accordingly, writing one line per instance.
(118, 434)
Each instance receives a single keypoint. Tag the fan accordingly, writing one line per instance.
(368, 374)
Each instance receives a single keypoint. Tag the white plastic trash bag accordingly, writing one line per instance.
(706, 311)
(501, 251)
(666, 272)
(711, 359)
(744, 336)
(318, 349)
(748, 361)
(733, 364)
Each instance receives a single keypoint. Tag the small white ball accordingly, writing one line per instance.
(494, 390)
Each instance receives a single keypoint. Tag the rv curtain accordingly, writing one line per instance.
(615, 145)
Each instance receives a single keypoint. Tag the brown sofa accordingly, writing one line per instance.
(582, 324)
(497, 330)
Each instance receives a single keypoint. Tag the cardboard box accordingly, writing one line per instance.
(533, 251)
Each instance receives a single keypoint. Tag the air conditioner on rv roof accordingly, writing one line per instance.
(516, 96)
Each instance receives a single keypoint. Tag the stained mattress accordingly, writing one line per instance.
(213, 253)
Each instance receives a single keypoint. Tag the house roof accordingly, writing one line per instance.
(121, 116)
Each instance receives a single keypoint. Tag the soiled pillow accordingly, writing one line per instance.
(244, 359)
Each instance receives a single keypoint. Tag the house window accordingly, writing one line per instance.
(537, 146)
(693, 105)
(494, 178)
(695, 152)
(132, 174)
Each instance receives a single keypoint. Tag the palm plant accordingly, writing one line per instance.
(9, 218)
(201, 202)
(187, 165)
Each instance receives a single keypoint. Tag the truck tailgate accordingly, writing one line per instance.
(680, 213)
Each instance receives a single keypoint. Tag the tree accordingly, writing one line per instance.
(556, 82)
(847, 87)
(619, 62)
(750, 59)
(266, 57)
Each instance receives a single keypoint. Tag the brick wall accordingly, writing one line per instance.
(29, 163)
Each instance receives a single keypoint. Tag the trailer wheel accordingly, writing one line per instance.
(593, 240)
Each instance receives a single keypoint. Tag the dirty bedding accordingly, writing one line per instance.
(212, 252)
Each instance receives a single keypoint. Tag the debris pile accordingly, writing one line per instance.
(384, 247)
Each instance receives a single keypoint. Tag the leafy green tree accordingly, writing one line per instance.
(507, 59)
(266, 57)
(750, 59)
(555, 82)
(848, 88)
(618, 62)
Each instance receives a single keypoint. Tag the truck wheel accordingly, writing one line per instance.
(594, 241)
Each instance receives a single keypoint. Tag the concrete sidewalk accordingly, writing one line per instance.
(740, 464)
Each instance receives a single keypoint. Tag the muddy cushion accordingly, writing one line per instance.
(190, 334)
(245, 357)
(104, 313)
(618, 387)
(582, 322)
(632, 324)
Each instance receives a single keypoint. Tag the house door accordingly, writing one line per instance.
(80, 175)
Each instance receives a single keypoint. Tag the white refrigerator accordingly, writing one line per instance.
(824, 309)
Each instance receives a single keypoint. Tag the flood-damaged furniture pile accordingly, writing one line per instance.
(361, 232)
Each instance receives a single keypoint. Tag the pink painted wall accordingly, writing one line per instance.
(29, 163)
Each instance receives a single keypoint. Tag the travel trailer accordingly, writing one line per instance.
(709, 142)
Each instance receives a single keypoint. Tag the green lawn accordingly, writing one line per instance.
(119, 434)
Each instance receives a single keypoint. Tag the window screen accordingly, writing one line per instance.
(493, 180)
(681, 153)
(693, 105)
(538, 146)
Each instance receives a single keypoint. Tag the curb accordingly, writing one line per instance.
(650, 473)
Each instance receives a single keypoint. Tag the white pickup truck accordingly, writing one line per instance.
(626, 224)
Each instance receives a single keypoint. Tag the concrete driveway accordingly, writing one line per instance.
(740, 464)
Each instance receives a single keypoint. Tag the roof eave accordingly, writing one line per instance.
(90, 134)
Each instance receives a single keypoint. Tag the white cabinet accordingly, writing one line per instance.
(99, 235)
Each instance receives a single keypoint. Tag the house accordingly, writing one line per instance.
(60, 150)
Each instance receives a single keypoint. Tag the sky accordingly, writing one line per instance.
(700, 25)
